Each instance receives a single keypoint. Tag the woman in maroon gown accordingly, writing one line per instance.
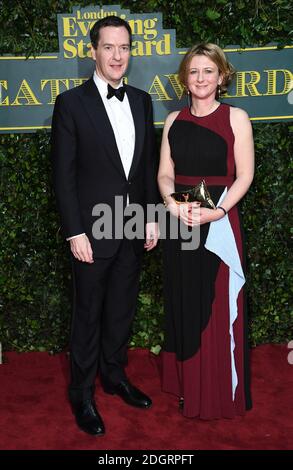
(205, 357)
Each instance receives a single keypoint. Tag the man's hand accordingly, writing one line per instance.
(152, 235)
(81, 249)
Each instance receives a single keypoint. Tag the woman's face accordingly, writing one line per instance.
(203, 77)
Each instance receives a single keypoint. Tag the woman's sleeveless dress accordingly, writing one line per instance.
(205, 357)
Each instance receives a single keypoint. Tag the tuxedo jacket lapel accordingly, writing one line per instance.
(137, 109)
(96, 110)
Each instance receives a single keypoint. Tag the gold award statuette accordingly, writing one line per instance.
(198, 193)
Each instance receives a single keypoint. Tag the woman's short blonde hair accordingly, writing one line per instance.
(216, 55)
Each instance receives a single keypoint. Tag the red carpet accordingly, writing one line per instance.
(35, 414)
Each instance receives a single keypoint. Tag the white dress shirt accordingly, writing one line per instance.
(120, 116)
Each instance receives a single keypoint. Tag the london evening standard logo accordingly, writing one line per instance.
(148, 36)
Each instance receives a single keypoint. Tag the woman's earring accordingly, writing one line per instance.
(189, 100)
(219, 91)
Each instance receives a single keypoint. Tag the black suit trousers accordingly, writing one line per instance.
(105, 296)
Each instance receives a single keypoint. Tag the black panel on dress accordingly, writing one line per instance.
(189, 286)
(197, 150)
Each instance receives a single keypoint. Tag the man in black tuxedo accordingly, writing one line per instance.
(103, 145)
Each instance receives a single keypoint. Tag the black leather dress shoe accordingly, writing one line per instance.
(88, 418)
(130, 394)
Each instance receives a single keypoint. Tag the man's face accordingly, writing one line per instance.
(112, 54)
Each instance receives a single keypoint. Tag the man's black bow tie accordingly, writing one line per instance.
(118, 92)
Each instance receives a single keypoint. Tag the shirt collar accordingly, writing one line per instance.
(102, 85)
